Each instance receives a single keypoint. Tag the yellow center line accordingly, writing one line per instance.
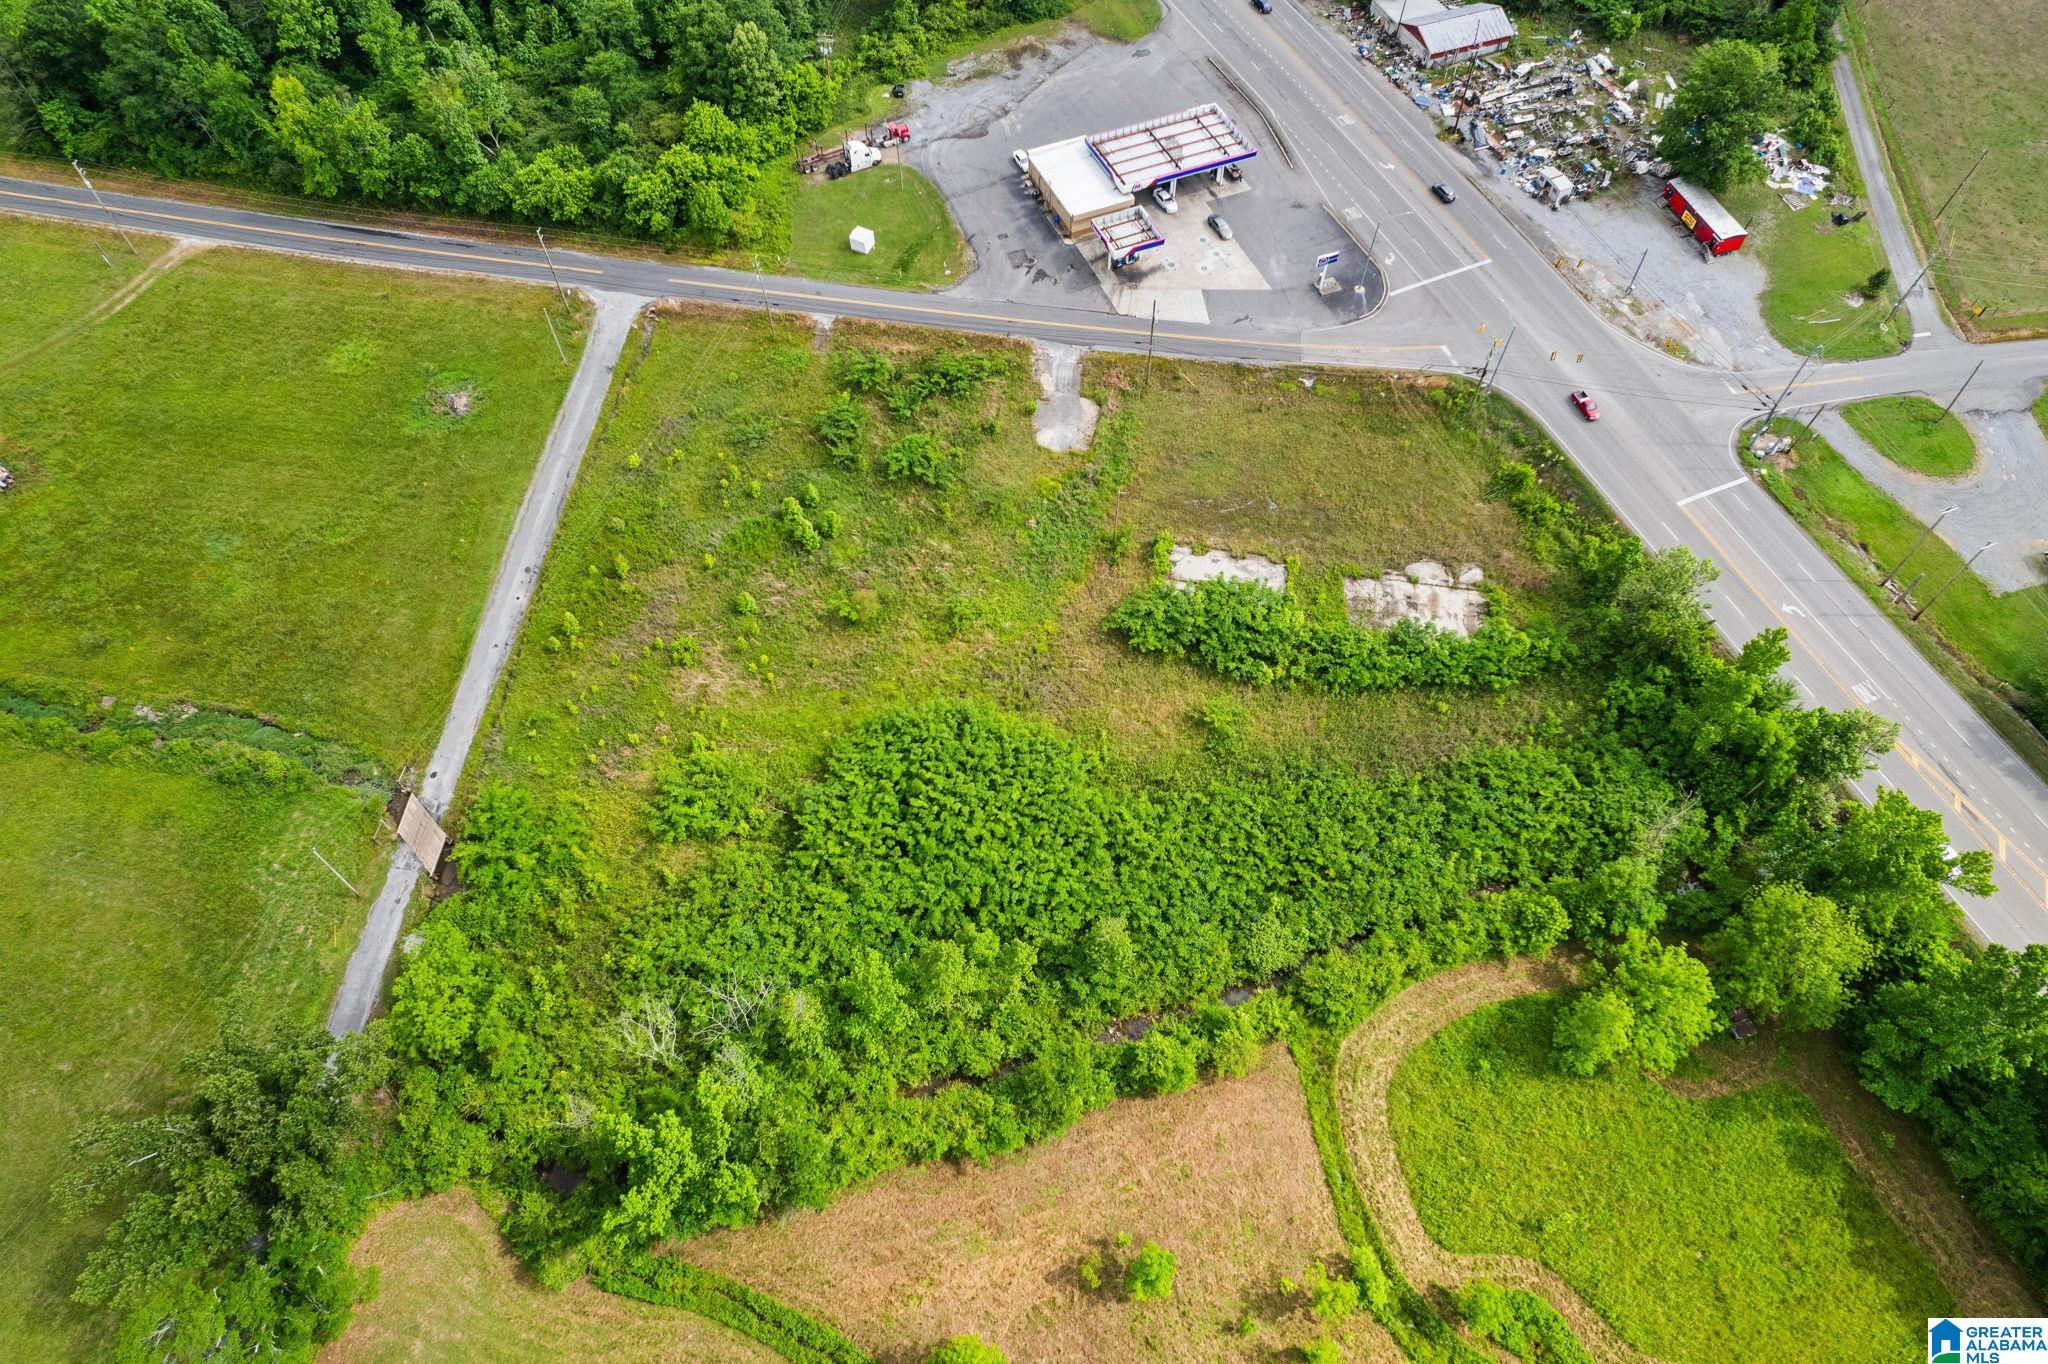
(1364, 125)
(1962, 804)
(218, 223)
(1007, 320)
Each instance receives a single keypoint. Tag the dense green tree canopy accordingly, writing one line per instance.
(653, 116)
(1791, 955)
(1730, 98)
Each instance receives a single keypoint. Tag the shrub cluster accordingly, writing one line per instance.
(1250, 633)
(668, 1282)
(1521, 1323)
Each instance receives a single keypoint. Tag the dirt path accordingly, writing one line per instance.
(182, 249)
(1365, 1071)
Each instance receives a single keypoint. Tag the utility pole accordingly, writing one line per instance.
(1805, 360)
(825, 46)
(1918, 541)
(1151, 335)
(1905, 292)
(1959, 186)
(1959, 392)
(1919, 611)
(1630, 291)
(548, 256)
(549, 318)
(1487, 381)
(119, 230)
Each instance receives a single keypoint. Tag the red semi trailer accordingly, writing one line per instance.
(1701, 214)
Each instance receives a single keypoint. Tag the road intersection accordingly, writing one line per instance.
(1461, 282)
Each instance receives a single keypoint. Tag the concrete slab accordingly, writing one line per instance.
(1214, 565)
(1063, 419)
(1424, 591)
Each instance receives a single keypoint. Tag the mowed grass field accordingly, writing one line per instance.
(247, 489)
(1814, 269)
(1707, 1231)
(141, 909)
(56, 276)
(917, 244)
(449, 1288)
(1914, 433)
(1949, 80)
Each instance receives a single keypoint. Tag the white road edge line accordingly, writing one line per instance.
(1718, 488)
(1445, 275)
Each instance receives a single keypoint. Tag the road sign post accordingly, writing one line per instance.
(1323, 264)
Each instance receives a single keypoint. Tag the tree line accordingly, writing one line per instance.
(654, 117)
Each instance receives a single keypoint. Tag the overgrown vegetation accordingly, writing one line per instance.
(1763, 68)
(793, 862)
(1521, 1323)
(1250, 633)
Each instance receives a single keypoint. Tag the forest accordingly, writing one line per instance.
(659, 118)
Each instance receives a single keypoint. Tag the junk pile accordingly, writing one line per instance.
(1561, 127)
(1798, 180)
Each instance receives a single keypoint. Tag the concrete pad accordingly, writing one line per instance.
(1190, 568)
(1422, 592)
(1063, 419)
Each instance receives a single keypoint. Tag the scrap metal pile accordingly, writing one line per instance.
(1561, 127)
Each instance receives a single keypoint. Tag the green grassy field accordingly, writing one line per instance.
(55, 275)
(2041, 411)
(142, 908)
(1914, 433)
(1948, 81)
(1995, 647)
(1814, 269)
(917, 244)
(1707, 1231)
(1124, 21)
(274, 509)
(959, 591)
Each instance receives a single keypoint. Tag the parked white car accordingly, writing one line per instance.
(1162, 194)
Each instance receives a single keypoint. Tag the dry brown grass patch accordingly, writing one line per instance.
(1225, 1176)
(450, 1289)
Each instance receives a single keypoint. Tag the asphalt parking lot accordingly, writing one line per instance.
(1046, 91)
